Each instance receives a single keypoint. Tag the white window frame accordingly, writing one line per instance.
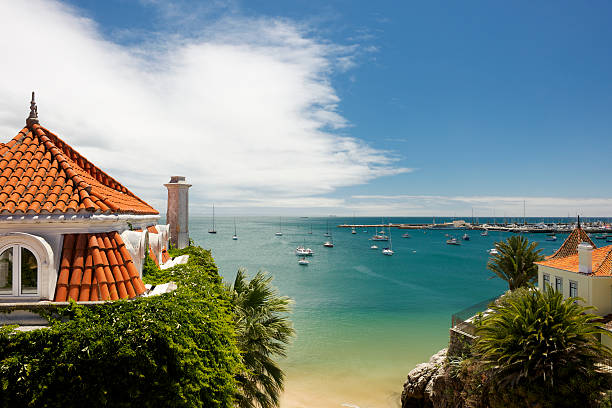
(559, 284)
(16, 247)
(575, 283)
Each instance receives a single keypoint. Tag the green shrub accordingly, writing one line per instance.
(172, 350)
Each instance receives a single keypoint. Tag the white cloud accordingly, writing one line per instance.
(245, 109)
(484, 206)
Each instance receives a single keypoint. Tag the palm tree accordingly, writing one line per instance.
(543, 347)
(264, 331)
(514, 261)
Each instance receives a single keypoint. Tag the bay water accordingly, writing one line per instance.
(363, 320)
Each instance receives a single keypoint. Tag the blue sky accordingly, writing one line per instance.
(469, 104)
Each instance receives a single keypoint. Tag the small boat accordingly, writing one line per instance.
(493, 251)
(280, 227)
(328, 244)
(301, 251)
(405, 235)
(484, 233)
(380, 237)
(235, 236)
(327, 234)
(603, 236)
(374, 246)
(213, 230)
(303, 261)
(353, 231)
(388, 251)
(551, 238)
(452, 241)
(466, 237)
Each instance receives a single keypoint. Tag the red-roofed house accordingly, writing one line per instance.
(580, 269)
(67, 229)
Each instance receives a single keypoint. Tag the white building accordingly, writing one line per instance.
(580, 269)
(68, 230)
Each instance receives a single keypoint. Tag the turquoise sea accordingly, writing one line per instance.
(363, 320)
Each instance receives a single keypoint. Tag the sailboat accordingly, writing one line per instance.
(330, 243)
(280, 227)
(310, 232)
(213, 230)
(235, 236)
(353, 229)
(389, 250)
(327, 234)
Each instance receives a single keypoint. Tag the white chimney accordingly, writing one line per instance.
(177, 214)
(585, 258)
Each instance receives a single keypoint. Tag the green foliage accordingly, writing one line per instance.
(541, 350)
(172, 350)
(514, 261)
(264, 331)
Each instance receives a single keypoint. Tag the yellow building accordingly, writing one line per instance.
(580, 269)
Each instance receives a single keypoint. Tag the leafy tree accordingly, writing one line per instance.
(514, 261)
(173, 350)
(264, 331)
(537, 349)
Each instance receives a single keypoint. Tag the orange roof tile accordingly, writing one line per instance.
(165, 256)
(570, 245)
(40, 173)
(602, 262)
(96, 267)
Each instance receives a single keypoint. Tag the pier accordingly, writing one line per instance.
(514, 228)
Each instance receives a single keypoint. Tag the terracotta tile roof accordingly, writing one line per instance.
(153, 257)
(570, 245)
(40, 173)
(165, 256)
(97, 267)
(602, 262)
(152, 229)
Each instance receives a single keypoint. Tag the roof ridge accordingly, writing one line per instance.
(570, 245)
(606, 263)
(88, 166)
(79, 182)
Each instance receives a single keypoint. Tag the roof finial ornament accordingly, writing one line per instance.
(578, 221)
(33, 118)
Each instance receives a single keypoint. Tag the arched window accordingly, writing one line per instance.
(19, 272)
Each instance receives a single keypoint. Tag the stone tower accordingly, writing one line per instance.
(178, 211)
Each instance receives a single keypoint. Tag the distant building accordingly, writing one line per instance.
(68, 230)
(580, 269)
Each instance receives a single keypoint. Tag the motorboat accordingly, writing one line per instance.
(353, 231)
(466, 237)
(551, 237)
(493, 251)
(405, 235)
(380, 237)
(452, 241)
(301, 251)
(374, 246)
(328, 244)
(303, 261)
(484, 233)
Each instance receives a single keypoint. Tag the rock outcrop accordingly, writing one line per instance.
(425, 384)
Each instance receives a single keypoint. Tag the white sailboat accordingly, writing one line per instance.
(327, 234)
(213, 230)
(388, 251)
(280, 227)
(235, 236)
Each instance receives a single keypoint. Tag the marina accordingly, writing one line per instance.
(534, 228)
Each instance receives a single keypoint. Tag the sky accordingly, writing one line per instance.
(326, 107)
